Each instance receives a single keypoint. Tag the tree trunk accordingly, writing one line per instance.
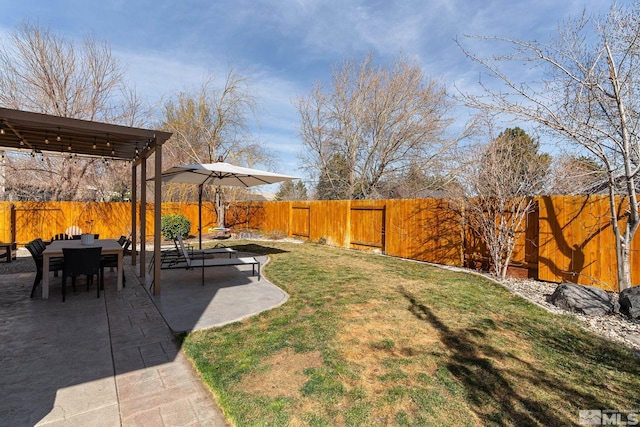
(623, 255)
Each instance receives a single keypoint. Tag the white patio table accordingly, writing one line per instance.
(109, 247)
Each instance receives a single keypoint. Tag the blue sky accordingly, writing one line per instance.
(284, 46)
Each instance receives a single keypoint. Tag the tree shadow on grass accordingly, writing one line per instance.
(257, 249)
(491, 386)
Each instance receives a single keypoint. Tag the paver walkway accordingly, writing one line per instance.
(106, 362)
(155, 382)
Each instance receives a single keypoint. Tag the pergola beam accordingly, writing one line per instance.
(43, 133)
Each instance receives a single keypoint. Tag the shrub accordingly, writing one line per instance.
(173, 225)
(276, 235)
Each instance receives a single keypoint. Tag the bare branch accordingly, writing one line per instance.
(375, 122)
(584, 92)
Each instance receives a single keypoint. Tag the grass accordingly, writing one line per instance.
(367, 340)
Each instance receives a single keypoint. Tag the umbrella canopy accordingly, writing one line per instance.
(219, 174)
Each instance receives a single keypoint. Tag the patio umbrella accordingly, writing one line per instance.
(219, 174)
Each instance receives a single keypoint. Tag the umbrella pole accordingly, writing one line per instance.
(200, 216)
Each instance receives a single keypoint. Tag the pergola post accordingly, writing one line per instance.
(157, 229)
(134, 213)
(143, 217)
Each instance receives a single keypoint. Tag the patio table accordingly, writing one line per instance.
(109, 247)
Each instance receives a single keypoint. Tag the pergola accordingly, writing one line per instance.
(37, 133)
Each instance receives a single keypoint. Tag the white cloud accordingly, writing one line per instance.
(286, 45)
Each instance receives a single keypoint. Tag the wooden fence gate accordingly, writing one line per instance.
(368, 227)
(301, 221)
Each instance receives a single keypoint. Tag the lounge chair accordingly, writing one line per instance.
(206, 253)
(170, 257)
(195, 260)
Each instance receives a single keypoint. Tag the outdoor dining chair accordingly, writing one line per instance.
(39, 243)
(110, 261)
(55, 264)
(81, 262)
(126, 246)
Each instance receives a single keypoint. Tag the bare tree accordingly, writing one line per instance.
(209, 124)
(378, 122)
(289, 190)
(571, 174)
(46, 73)
(213, 122)
(495, 189)
(586, 93)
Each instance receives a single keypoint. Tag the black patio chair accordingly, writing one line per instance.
(110, 261)
(55, 264)
(39, 243)
(81, 262)
(125, 247)
(37, 247)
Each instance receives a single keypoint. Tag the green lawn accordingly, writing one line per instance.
(370, 340)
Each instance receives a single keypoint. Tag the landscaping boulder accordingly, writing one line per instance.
(630, 302)
(583, 299)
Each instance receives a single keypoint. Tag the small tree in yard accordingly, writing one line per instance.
(497, 185)
(173, 225)
(585, 92)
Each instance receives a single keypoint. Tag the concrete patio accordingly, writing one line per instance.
(114, 361)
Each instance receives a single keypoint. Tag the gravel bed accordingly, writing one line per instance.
(22, 264)
(615, 327)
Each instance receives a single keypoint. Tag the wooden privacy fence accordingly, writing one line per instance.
(567, 238)
(422, 229)
(110, 220)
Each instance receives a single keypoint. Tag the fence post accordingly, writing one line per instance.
(12, 219)
(348, 225)
(290, 222)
